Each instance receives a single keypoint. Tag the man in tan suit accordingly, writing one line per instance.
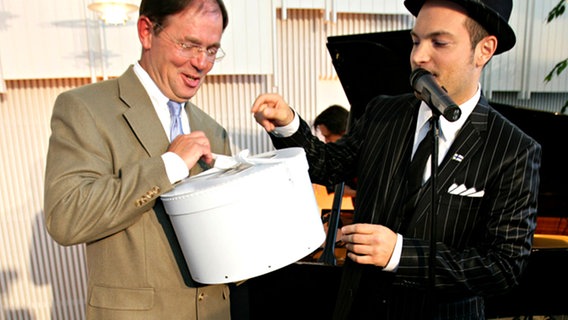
(110, 159)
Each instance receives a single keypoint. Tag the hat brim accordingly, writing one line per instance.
(493, 22)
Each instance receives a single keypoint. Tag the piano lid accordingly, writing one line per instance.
(371, 64)
(551, 131)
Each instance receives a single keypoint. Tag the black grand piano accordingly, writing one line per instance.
(378, 63)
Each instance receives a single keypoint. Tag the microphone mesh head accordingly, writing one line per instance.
(417, 74)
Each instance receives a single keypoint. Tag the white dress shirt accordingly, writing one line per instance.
(448, 130)
(176, 168)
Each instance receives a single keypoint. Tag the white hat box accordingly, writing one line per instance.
(254, 216)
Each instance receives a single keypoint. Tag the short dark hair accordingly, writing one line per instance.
(476, 31)
(158, 10)
(334, 118)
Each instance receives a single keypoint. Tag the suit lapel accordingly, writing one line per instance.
(142, 118)
(392, 163)
(141, 115)
(466, 144)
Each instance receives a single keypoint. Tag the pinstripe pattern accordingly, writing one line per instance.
(482, 243)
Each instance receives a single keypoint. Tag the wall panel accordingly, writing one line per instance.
(38, 278)
(57, 39)
(539, 47)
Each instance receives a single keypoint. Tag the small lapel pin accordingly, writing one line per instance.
(457, 157)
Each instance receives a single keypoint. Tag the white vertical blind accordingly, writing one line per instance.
(247, 39)
(62, 38)
(39, 279)
(539, 47)
(2, 82)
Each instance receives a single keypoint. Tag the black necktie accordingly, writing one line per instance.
(414, 176)
(418, 163)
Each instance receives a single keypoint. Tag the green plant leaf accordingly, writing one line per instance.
(557, 11)
(558, 69)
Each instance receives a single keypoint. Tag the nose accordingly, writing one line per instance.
(200, 61)
(419, 54)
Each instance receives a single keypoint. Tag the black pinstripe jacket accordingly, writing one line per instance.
(482, 243)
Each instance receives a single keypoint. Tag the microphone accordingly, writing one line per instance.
(427, 89)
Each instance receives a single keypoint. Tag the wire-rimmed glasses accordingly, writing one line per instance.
(190, 50)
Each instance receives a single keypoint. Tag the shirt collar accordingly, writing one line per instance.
(157, 97)
(448, 130)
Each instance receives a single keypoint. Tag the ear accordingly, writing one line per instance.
(485, 50)
(145, 32)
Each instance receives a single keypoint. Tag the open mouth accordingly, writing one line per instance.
(192, 81)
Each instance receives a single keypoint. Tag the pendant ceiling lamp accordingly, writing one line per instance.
(113, 12)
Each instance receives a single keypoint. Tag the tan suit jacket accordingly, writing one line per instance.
(104, 177)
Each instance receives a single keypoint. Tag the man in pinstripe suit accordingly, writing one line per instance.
(487, 179)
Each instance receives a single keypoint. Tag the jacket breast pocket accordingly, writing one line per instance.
(460, 202)
(460, 212)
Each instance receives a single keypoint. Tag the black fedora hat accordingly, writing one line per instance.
(493, 15)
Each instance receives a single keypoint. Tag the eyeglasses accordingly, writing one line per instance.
(190, 50)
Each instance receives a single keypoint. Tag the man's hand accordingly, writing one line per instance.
(271, 111)
(369, 243)
(192, 147)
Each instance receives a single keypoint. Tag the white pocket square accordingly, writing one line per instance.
(462, 190)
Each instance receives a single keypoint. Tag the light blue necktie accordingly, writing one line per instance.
(175, 116)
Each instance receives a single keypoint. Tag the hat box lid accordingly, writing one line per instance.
(251, 217)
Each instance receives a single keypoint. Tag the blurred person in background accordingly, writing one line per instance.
(332, 123)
